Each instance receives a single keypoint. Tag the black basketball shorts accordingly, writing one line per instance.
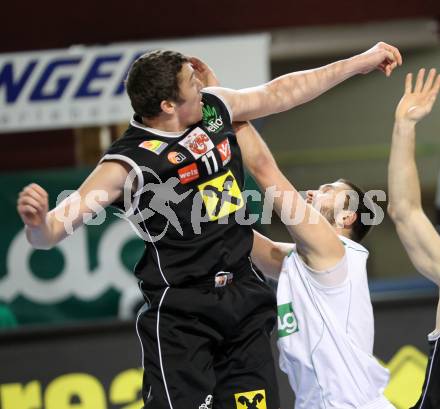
(209, 348)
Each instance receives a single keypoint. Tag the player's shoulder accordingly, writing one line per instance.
(138, 141)
(215, 107)
(351, 245)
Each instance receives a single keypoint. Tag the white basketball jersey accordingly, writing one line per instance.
(326, 334)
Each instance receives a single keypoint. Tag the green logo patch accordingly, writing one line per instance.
(212, 120)
(287, 322)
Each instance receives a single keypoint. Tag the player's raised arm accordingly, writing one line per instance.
(316, 240)
(296, 88)
(44, 229)
(416, 232)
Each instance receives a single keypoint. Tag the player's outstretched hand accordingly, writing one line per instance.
(382, 56)
(204, 73)
(32, 205)
(417, 102)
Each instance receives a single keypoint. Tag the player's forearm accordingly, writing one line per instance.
(403, 179)
(297, 88)
(260, 162)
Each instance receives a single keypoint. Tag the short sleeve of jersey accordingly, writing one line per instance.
(123, 152)
(333, 276)
(215, 107)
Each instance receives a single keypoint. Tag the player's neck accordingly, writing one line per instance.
(341, 231)
(166, 123)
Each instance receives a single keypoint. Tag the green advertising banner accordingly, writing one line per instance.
(88, 275)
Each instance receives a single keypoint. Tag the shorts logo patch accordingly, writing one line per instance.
(188, 173)
(197, 142)
(221, 196)
(176, 157)
(225, 151)
(208, 403)
(251, 400)
(287, 322)
(154, 146)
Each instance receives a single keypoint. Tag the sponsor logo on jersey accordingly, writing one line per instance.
(188, 173)
(208, 403)
(225, 151)
(211, 119)
(176, 157)
(197, 142)
(251, 400)
(221, 196)
(287, 322)
(154, 146)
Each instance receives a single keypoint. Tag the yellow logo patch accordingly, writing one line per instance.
(154, 146)
(251, 400)
(221, 196)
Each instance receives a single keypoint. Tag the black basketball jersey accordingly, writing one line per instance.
(430, 397)
(189, 198)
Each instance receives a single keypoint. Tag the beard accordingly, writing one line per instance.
(329, 214)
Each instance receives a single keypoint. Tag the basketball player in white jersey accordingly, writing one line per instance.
(325, 317)
(418, 235)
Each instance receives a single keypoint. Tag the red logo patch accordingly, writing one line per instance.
(197, 142)
(188, 173)
(225, 151)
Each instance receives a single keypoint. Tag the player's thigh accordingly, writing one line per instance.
(177, 357)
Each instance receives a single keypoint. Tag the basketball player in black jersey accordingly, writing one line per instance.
(416, 232)
(177, 173)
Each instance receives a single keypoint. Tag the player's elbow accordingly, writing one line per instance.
(264, 164)
(397, 212)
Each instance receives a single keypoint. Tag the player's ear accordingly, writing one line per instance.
(168, 107)
(345, 219)
(349, 218)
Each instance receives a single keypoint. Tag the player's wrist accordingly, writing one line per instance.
(404, 122)
(355, 65)
(40, 236)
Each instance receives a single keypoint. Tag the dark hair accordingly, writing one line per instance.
(359, 230)
(153, 78)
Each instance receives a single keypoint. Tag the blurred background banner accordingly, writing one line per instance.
(81, 85)
(87, 276)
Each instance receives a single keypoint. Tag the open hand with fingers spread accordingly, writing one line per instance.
(204, 73)
(417, 103)
(32, 205)
(382, 56)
